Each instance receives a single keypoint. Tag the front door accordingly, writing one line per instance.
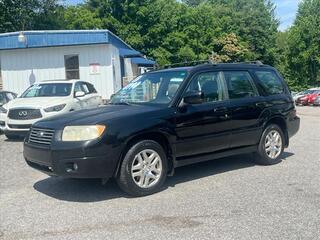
(204, 128)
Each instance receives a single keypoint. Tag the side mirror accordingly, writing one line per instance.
(193, 97)
(79, 94)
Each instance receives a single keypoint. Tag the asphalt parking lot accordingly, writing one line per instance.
(229, 198)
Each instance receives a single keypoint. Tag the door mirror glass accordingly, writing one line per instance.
(193, 97)
(79, 94)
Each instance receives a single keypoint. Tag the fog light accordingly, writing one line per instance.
(71, 167)
(75, 167)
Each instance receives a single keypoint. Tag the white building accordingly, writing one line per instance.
(96, 56)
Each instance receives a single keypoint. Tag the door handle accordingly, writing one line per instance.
(220, 109)
(261, 104)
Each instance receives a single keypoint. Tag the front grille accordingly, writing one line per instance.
(24, 114)
(41, 136)
(23, 126)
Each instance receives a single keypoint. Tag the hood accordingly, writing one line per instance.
(96, 115)
(36, 102)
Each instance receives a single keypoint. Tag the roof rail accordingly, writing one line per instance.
(185, 64)
(257, 62)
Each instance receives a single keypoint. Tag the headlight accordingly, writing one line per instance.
(82, 133)
(3, 110)
(56, 108)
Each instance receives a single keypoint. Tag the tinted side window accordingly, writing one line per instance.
(77, 87)
(270, 82)
(85, 88)
(210, 84)
(240, 84)
(10, 96)
(91, 88)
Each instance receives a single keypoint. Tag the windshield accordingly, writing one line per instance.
(3, 99)
(155, 88)
(48, 90)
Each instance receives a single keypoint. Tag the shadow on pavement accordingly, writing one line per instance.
(91, 190)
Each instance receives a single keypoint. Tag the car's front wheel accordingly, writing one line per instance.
(271, 146)
(144, 169)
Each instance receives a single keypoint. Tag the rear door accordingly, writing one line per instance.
(246, 106)
(204, 128)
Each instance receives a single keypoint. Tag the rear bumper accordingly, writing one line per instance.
(70, 162)
(302, 102)
(293, 126)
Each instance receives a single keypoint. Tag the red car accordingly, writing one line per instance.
(308, 99)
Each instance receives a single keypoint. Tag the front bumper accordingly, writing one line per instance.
(72, 160)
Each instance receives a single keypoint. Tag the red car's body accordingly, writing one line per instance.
(313, 97)
(308, 99)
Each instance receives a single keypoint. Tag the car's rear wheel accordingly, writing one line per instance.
(143, 169)
(271, 146)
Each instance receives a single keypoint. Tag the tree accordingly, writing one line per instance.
(20, 15)
(17, 15)
(304, 45)
(193, 3)
(255, 22)
(79, 17)
(229, 49)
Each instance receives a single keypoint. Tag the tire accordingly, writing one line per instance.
(138, 169)
(269, 152)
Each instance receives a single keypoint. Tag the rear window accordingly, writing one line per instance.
(270, 82)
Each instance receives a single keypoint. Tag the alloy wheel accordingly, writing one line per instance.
(273, 144)
(146, 168)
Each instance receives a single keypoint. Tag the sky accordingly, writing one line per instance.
(285, 10)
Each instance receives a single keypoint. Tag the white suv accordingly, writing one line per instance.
(46, 99)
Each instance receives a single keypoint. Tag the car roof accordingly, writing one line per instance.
(59, 81)
(215, 65)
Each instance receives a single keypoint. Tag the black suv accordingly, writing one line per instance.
(166, 119)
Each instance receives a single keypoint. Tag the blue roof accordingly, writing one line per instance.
(55, 38)
(142, 61)
(125, 52)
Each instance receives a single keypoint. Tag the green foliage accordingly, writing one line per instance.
(229, 49)
(18, 15)
(304, 45)
(77, 17)
(173, 31)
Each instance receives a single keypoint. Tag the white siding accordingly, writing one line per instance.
(23, 66)
(115, 58)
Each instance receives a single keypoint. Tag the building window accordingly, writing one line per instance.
(71, 63)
